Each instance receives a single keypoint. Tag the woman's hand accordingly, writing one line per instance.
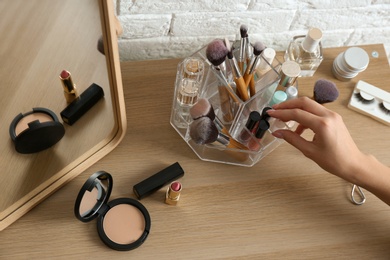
(332, 147)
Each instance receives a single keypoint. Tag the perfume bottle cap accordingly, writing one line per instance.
(289, 72)
(312, 39)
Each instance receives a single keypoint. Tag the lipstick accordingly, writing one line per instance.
(70, 91)
(158, 180)
(82, 104)
(173, 193)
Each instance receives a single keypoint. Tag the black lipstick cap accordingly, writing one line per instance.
(82, 104)
(158, 180)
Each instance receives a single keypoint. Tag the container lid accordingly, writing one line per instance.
(356, 59)
(262, 129)
(278, 97)
(254, 117)
(268, 56)
(43, 131)
(312, 39)
(289, 73)
(292, 92)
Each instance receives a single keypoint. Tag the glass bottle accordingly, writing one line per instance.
(306, 51)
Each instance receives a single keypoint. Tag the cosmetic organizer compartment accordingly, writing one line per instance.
(232, 121)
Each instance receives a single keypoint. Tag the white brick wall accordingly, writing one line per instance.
(159, 29)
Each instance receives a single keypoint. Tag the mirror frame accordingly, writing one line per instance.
(44, 190)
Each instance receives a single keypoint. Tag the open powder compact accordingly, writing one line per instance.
(122, 224)
(36, 130)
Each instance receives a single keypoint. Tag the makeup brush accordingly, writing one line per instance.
(325, 91)
(204, 131)
(248, 57)
(216, 53)
(203, 108)
(243, 44)
(258, 48)
(241, 88)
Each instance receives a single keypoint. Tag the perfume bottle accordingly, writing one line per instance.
(306, 51)
(189, 80)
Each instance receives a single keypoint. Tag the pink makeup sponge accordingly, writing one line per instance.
(325, 91)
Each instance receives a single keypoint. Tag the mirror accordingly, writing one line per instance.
(40, 39)
(93, 195)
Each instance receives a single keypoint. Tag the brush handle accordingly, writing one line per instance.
(239, 155)
(241, 88)
(241, 66)
(252, 86)
(225, 105)
(247, 78)
(225, 83)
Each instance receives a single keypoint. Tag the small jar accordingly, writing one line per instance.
(350, 63)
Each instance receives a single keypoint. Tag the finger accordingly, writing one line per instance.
(300, 129)
(304, 118)
(303, 103)
(294, 139)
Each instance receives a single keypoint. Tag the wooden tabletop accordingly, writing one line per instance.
(284, 207)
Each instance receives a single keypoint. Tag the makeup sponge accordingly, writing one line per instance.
(216, 52)
(325, 91)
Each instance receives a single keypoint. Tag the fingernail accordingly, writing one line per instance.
(271, 111)
(278, 134)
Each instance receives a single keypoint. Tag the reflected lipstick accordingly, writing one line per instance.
(70, 91)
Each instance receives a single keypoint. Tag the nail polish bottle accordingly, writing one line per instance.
(261, 130)
(306, 50)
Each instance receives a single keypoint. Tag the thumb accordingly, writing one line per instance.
(293, 138)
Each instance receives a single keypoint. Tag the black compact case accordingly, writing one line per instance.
(38, 135)
(92, 202)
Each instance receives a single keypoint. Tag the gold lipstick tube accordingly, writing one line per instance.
(173, 193)
(70, 91)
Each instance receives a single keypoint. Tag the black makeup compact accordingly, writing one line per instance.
(36, 130)
(122, 224)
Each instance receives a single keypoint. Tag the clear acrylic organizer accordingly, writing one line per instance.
(265, 83)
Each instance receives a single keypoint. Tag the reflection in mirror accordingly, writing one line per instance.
(92, 200)
(41, 39)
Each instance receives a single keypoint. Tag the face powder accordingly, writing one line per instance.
(124, 224)
(23, 123)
